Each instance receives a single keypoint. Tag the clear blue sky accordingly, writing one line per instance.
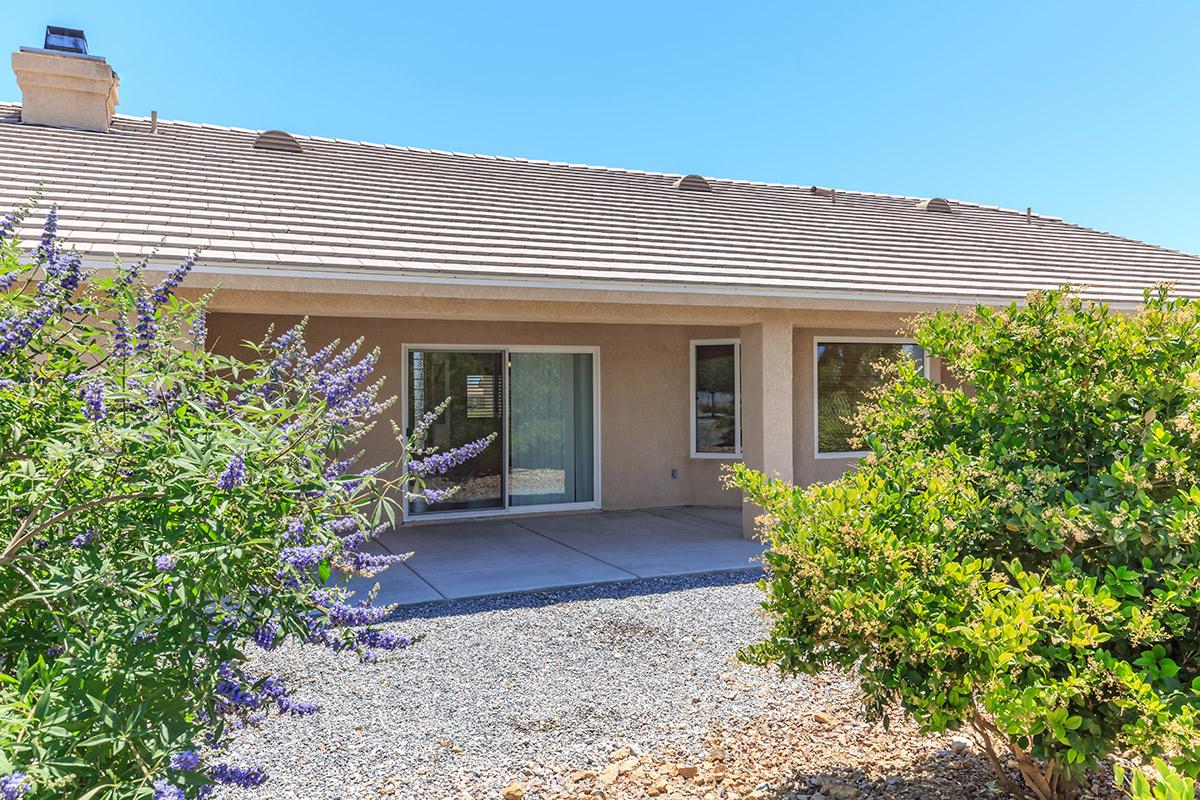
(1087, 110)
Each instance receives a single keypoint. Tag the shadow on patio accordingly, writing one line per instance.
(476, 558)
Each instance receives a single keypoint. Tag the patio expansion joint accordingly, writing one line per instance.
(423, 580)
(576, 549)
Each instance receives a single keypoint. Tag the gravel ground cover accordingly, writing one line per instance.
(600, 692)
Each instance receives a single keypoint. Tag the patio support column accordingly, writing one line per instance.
(767, 436)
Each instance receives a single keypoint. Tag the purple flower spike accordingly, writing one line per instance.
(441, 463)
(232, 690)
(165, 790)
(246, 777)
(265, 636)
(165, 563)
(234, 474)
(93, 401)
(303, 558)
(371, 564)
(121, 344)
(14, 786)
(199, 328)
(171, 282)
(345, 615)
(8, 223)
(382, 640)
(295, 532)
(432, 496)
(185, 761)
(127, 274)
(146, 326)
(49, 245)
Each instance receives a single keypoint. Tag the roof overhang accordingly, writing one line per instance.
(399, 284)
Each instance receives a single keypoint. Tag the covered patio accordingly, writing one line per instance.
(474, 558)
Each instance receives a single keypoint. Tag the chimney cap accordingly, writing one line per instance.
(66, 40)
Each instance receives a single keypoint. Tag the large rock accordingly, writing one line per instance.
(621, 754)
(609, 775)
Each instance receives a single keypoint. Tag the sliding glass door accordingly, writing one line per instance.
(542, 408)
(473, 382)
(551, 430)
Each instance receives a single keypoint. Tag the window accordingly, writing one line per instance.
(716, 399)
(845, 373)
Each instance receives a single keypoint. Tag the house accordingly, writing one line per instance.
(623, 333)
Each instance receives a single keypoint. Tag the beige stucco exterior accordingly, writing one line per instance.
(65, 90)
(644, 375)
(644, 370)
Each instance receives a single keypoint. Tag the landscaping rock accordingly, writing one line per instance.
(608, 775)
(526, 694)
(620, 754)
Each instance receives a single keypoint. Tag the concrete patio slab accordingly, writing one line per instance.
(399, 584)
(473, 558)
(476, 558)
(731, 517)
(654, 542)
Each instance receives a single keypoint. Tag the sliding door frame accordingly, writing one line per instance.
(506, 349)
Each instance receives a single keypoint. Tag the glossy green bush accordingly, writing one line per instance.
(1160, 782)
(1021, 558)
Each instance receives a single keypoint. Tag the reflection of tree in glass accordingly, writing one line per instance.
(471, 380)
(846, 371)
(715, 397)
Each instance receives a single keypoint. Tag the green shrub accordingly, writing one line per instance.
(1162, 783)
(1021, 557)
(161, 507)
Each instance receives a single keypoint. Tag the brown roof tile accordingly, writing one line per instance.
(353, 206)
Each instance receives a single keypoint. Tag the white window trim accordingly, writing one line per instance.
(737, 398)
(510, 510)
(817, 342)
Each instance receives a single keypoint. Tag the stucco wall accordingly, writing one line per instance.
(644, 392)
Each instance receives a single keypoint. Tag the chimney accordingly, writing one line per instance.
(63, 86)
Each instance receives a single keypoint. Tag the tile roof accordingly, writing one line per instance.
(430, 215)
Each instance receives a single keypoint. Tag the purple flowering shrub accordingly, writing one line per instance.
(161, 509)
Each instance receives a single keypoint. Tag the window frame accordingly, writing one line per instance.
(816, 389)
(737, 399)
